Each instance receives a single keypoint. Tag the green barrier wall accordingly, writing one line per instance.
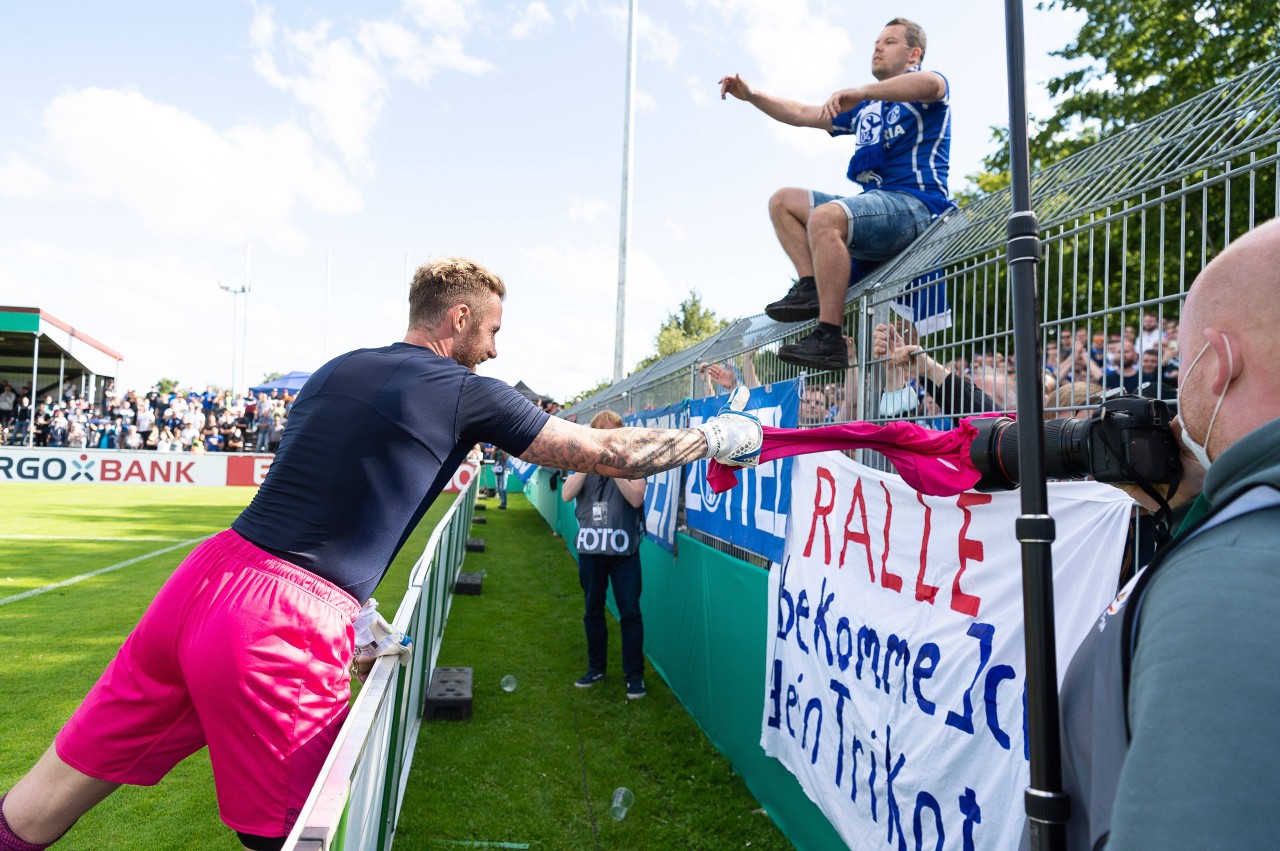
(705, 622)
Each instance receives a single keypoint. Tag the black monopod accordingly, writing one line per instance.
(1048, 806)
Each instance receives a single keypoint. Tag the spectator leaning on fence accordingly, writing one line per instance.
(953, 393)
(902, 125)
(1168, 707)
(264, 615)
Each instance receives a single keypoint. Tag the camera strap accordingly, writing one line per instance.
(1163, 516)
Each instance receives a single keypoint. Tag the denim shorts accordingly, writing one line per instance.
(881, 222)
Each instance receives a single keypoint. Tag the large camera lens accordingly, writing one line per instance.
(1126, 440)
(994, 451)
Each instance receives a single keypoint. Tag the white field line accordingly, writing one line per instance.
(79, 538)
(73, 580)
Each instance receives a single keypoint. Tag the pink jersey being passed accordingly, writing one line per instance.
(936, 463)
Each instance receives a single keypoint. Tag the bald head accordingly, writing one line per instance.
(1238, 290)
(1232, 310)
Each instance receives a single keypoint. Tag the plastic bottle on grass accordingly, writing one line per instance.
(623, 798)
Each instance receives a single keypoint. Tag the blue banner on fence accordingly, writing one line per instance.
(662, 496)
(522, 469)
(754, 514)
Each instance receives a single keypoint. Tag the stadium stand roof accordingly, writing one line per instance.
(34, 343)
(530, 394)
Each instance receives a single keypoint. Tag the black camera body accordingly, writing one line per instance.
(1126, 440)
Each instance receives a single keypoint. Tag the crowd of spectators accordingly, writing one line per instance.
(177, 421)
(1078, 370)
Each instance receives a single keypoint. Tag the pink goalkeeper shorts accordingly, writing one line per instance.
(240, 651)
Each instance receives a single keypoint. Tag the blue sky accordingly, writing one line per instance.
(144, 146)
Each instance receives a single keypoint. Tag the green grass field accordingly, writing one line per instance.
(57, 643)
(537, 767)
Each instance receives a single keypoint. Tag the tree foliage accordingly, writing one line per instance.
(1138, 58)
(602, 384)
(165, 386)
(691, 324)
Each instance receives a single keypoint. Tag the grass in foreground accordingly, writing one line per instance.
(537, 767)
(57, 643)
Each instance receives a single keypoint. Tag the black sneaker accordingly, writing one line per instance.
(588, 679)
(635, 689)
(800, 303)
(817, 351)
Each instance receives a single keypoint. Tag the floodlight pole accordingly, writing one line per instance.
(628, 158)
(244, 337)
(228, 288)
(328, 293)
(243, 289)
(1048, 806)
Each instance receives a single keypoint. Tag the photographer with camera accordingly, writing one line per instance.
(1167, 714)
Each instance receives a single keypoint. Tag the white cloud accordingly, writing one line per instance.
(447, 15)
(661, 43)
(799, 46)
(536, 17)
(344, 91)
(645, 102)
(20, 178)
(656, 41)
(585, 280)
(574, 8)
(447, 52)
(411, 58)
(185, 179)
(404, 49)
(588, 210)
(699, 90)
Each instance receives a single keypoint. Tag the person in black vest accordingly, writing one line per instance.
(610, 527)
(500, 476)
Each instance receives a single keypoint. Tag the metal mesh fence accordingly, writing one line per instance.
(1126, 225)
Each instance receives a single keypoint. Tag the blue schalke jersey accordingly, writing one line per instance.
(905, 147)
(372, 439)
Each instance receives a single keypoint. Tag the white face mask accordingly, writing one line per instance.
(1198, 450)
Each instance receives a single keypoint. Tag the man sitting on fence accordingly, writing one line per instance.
(263, 615)
(903, 128)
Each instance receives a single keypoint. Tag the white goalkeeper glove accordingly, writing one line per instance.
(374, 638)
(734, 437)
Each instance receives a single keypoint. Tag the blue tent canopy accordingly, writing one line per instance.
(290, 383)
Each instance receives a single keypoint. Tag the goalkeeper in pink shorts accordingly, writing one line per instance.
(247, 649)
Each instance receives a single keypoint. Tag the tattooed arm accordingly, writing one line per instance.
(629, 453)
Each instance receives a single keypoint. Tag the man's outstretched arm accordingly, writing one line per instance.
(779, 109)
(619, 452)
(921, 87)
(731, 436)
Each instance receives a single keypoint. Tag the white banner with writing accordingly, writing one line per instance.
(895, 663)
